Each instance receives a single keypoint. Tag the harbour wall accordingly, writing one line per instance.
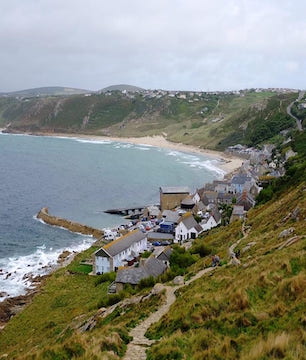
(44, 215)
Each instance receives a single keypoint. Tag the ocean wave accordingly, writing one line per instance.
(142, 148)
(97, 142)
(16, 272)
(123, 145)
(196, 162)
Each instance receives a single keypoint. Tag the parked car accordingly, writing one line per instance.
(156, 243)
(166, 243)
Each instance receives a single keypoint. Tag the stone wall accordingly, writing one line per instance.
(69, 225)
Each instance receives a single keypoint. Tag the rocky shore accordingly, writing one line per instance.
(11, 306)
(69, 225)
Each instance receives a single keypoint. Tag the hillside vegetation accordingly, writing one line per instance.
(208, 120)
(252, 311)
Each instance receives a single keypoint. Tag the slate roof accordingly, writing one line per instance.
(174, 189)
(152, 267)
(159, 236)
(201, 206)
(240, 179)
(199, 228)
(189, 222)
(124, 242)
(165, 254)
(225, 196)
(216, 215)
(171, 216)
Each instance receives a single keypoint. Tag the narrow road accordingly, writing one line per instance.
(298, 121)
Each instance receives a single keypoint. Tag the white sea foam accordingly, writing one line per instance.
(16, 272)
(123, 145)
(142, 148)
(89, 141)
(196, 162)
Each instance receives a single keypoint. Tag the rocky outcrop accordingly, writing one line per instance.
(69, 225)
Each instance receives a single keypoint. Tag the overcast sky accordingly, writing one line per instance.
(168, 44)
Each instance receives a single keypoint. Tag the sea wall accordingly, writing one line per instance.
(69, 225)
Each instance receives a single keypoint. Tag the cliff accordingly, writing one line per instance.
(69, 225)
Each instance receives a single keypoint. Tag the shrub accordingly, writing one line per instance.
(146, 282)
(110, 300)
(201, 249)
(111, 276)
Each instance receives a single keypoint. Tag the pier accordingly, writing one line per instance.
(128, 211)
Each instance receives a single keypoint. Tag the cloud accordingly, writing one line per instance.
(197, 44)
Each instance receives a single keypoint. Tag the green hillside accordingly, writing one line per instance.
(47, 91)
(252, 311)
(208, 120)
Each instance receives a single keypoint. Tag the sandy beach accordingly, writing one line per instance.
(228, 163)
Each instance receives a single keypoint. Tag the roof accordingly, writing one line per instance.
(187, 201)
(153, 210)
(227, 196)
(152, 267)
(124, 242)
(159, 236)
(238, 210)
(189, 222)
(201, 206)
(240, 179)
(199, 228)
(210, 194)
(216, 215)
(174, 189)
(171, 216)
(165, 254)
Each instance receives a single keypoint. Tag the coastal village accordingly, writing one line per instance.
(181, 217)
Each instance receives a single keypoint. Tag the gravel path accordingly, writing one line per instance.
(136, 349)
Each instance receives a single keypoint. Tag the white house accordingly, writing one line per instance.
(211, 219)
(118, 252)
(186, 229)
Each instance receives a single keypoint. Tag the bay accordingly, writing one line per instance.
(76, 179)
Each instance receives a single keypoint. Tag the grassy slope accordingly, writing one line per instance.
(214, 121)
(255, 311)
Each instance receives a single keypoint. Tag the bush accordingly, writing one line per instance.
(111, 276)
(110, 300)
(201, 249)
(181, 259)
(147, 282)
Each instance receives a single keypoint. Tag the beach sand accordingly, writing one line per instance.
(228, 163)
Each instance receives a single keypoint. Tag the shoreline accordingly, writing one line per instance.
(10, 306)
(227, 162)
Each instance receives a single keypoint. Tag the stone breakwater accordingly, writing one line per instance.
(69, 225)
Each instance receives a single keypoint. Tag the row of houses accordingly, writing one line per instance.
(182, 216)
(121, 253)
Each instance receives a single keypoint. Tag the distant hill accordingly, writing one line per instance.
(212, 120)
(47, 91)
(122, 87)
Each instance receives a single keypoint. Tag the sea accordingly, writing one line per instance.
(77, 179)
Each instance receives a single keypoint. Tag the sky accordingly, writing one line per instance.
(162, 44)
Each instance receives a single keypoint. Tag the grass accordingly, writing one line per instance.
(255, 311)
(214, 121)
